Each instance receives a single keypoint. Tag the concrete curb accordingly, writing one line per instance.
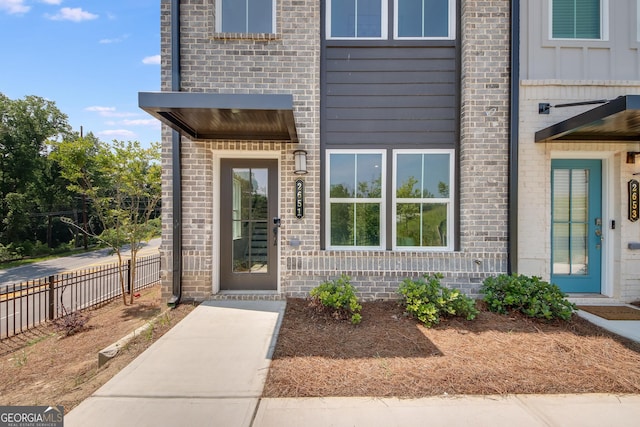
(112, 350)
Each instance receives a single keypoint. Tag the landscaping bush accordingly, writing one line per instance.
(339, 297)
(427, 300)
(9, 252)
(529, 295)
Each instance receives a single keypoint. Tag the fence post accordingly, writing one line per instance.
(52, 297)
(129, 276)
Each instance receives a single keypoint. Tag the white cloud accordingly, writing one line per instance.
(100, 109)
(14, 7)
(152, 60)
(75, 14)
(109, 111)
(54, 2)
(117, 133)
(115, 40)
(141, 122)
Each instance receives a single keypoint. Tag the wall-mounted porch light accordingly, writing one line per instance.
(300, 157)
(631, 156)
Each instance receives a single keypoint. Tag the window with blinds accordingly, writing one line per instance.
(576, 19)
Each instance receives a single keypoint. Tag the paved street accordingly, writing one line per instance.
(72, 263)
(20, 309)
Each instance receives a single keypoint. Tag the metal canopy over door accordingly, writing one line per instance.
(576, 232)
(248, 236)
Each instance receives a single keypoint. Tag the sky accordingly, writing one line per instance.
(89, 57)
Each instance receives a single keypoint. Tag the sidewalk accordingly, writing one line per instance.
(210, 368)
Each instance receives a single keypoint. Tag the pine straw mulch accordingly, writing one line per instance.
(389, 354)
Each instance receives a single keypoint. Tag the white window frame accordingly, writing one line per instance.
(381, 200)
(218, 15)
(450, 201)
(637, 20)
(384, 19)
(604, 23)
(452, 24)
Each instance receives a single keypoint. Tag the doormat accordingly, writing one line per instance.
(612, 312)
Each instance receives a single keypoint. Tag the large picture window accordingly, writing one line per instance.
(422, 209)
(361, 19)
(355, 191)
(245, 16)
(420, 200)
(577, 19)
(424, 19)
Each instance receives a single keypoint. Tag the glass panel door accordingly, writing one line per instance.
(248, 239)
(576, 231)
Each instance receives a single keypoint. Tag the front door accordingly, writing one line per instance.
(576, 232)
(248, 236)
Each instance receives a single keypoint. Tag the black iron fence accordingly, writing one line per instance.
(28, 304)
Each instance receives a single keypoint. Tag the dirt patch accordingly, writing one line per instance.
(45, 367)
(389, 354)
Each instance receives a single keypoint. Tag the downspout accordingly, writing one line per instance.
(514, 105)
(175, 161)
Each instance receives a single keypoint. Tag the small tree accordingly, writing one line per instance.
(123, 183)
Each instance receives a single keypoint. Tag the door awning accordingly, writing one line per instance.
(617, 120)
(207, 116)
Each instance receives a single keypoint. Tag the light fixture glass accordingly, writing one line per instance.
(300, 157)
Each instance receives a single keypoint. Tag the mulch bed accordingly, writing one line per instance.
(390, 354)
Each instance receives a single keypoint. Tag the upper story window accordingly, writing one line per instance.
(424, 19)
(370, 19)
(245, 16)
(361, 19)
(578, 19)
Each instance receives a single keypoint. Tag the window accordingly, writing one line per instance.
(577, 19)
(355, 194)
(361, 19)
(421, 19)
(420, 202)
(368, 19)
(246, 16)
(422, 209)
(236, 213)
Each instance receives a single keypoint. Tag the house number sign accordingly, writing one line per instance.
(634, 196)
(299, 198)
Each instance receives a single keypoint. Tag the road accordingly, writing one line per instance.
(21, 308)
(71, 263)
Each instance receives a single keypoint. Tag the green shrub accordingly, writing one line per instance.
(10, 252)
(339, 297)
(529, 295)
(427, 300)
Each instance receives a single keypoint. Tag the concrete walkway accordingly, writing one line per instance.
(209, 370)
(595, 410)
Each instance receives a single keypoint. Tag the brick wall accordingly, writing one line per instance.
(484, 149)
(289, 63)
(621, 278)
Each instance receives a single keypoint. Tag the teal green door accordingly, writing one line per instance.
(576, 232)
